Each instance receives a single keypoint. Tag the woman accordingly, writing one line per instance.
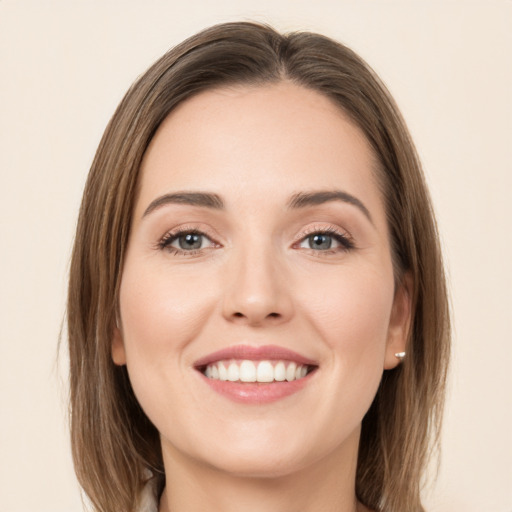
(257, 308)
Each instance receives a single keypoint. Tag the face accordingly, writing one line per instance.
(258, 309)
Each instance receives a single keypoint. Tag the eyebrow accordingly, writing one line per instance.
(305, 199)
(202, 199)
(299, 200)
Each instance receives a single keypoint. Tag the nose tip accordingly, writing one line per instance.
(257, 293)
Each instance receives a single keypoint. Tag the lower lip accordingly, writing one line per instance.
(256, 392)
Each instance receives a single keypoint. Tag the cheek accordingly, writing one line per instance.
(348, 312)
(353, 314)
(160, 312)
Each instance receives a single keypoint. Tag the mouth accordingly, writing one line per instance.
(256, 374)
(247, 370)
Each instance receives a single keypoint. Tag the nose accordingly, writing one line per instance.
(257, 291)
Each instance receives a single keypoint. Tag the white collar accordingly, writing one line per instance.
(148, 497)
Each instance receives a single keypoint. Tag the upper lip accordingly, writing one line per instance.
(259, 353)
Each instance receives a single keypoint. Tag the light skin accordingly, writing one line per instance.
(274, 263)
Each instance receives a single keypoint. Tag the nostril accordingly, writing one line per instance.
(256, 316)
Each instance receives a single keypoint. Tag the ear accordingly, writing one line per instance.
(117, 350)
(399, 322)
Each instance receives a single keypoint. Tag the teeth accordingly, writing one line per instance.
(265, 372)
(247, 371)
(223, 373)
(233, 372)
(280, 372)
(253, 371)
(290, 372)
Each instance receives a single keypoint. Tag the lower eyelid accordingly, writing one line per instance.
(341, 244)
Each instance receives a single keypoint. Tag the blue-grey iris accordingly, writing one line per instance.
(320, 241)
(190, 241)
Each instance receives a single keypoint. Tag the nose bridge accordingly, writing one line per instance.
(256, 290)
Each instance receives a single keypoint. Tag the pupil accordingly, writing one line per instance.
(320, 241)
(190, 241)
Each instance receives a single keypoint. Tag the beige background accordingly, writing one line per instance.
(64, 66)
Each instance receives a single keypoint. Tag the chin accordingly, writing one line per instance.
(274, 452)
(249, 464)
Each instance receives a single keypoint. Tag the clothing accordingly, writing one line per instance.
(148, 497)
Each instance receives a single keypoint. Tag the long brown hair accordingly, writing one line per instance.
(114, 444)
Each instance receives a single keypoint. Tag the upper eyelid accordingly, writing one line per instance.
(165, 241)
(345, 238)
(175, 235)
(325, 228)
(200, 229)
(211, 234)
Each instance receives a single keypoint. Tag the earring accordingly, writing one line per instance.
(400, 356)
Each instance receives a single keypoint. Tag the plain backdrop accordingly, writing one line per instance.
(64, 66)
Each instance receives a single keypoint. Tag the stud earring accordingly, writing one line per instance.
(400, 356)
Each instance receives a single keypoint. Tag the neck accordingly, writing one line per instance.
(327, 485)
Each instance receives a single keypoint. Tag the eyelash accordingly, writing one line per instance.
(345, 241)
(166, 241)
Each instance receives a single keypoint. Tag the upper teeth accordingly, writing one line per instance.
(254, 371)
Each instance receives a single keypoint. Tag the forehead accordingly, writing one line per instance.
(255, 139)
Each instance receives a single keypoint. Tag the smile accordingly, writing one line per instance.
(256, 374)
(254, 371)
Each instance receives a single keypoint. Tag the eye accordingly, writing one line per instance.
(326, 241)
(186, 242)
(318, 241)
